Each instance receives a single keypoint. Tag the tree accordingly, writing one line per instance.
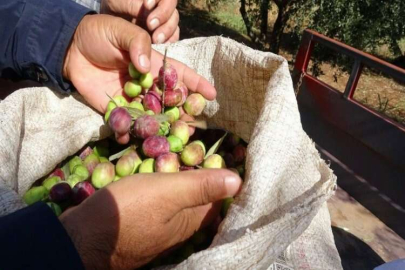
(364, 24)
(255, 13)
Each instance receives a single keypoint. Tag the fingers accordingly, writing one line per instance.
(127, 7)
(150, 4)
(200, 187)
(207, 213)
(190, 189)
(193, 81)
(190, 220)
(175, 37)
(129, 37)
(167, 30)
(185, 223)
(161, 14)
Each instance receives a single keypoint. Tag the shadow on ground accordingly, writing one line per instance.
(354, 253)
(195, 22)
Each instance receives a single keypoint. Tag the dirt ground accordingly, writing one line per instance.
(369, 239)
(378, 92)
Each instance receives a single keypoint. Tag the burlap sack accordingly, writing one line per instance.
(280, 219)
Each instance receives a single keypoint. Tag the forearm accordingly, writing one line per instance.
(35, 38)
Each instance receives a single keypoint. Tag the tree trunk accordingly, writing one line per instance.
(277, 30)
(246, 20)
(208, 3)
(264, 18)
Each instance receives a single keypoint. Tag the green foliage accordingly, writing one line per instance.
(232, 21)
(364, 24)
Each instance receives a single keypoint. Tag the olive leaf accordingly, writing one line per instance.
(111, 99)
(164, 81)
(161, 117)
(121, 153)
(134, 112)
(66, 170)
(215, 147)
(201, 124)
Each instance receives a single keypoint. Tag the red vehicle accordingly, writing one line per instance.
(365, 147)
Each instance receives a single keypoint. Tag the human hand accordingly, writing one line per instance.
(160, 17)
(130, 222)
(98, 58)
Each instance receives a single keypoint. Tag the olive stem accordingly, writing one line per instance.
(164, 82)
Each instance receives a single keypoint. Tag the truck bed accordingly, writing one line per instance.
(366, 150)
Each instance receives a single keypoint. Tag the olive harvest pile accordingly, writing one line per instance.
(157, 117)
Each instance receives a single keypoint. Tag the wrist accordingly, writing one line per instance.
(65, 70)
(74, 230)
(92, 246)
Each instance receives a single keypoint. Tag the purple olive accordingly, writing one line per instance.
(60, 192)
(168, 162)
(82, 191)
(87, 151)
(168, 75)
(239, 153)
(155, 146)
(184, 92)
(58, 172)
(151, 101)
(155, 87)
(120, 120)
(146, 126)
(173, 97)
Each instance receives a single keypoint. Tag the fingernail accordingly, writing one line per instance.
(160, 38)
(151, 4)
(144, 61)
(154, 24)
(232, 184)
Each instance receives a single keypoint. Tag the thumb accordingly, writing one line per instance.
(201, 187)
(133, 39)
(195, 196)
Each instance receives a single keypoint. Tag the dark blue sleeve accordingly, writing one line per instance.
(35, 35)
(33, 238)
